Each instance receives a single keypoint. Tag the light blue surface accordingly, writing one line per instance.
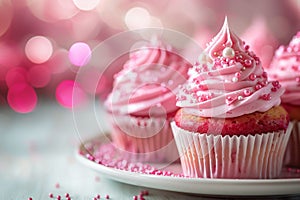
(37, 152)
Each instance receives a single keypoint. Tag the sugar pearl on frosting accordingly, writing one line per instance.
(265, 75)
(264, 83)
(237, 74)
(248, 63)
(232, 62)
(275, 83)
(247, 92)
(258, 86)
(240, 98)
(252, 77)
(234, 79)
(266, 97)
(228, 52)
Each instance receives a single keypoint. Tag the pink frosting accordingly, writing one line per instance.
(148, 82)
(285, 67)
(228, 81)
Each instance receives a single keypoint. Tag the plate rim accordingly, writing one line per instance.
(145, 179)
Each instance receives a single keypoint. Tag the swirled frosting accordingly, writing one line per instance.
(148, 82)
(285, 67)
(228, 81)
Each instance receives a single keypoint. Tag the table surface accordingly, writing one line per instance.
(37, 152)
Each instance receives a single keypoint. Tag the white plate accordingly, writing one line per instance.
(231, 187)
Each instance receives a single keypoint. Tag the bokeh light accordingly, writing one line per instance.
(6, 15)
(69, 94)
(59, 62)
(45, 42)
(22, 98)
(53, 10)
(80, 54)
(15, 75)
(38, 49)
(137, 18)
(11, 55)
(86, 4)
(86, 21)
(39, 76)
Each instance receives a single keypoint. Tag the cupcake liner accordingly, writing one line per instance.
(292, 154)
(216, 156)
(144, 139)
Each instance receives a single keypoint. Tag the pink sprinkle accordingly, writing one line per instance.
(50, 195)
(266, 97)
(265, 74)
(264, 83)
(252, 77)
(223, 62)
(107, 196)
(237, 74)
(68, 198)
(247, 47)
(276, 84)
(248, 63)
(230, 100)
(232, 62)
(95, 198)
(258, 87)
(135, 197)
(145, 192)
(273, 89)
(58, 197)
(247, 92)
(98, 196)
(57, 185)
(67, 195)
(30, 198)
(203, 87)
(97, 178)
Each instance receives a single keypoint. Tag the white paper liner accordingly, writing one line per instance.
(144, 139)
(292, 154)
(216, 156)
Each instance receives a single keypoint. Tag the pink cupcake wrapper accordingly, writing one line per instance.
(144, 139)
(292, 154)
(216, 156)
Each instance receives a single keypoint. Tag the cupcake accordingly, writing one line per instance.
(285, 67)
(230, 124)
(143, 103)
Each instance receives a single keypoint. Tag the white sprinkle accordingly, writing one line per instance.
(235, 79)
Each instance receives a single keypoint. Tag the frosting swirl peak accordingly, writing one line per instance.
(228, 81)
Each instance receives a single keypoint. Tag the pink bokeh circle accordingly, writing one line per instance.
(69, 94)
(22, 98)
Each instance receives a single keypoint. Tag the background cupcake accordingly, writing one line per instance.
(285, 67)
(230, 124)
(261, 39)
(143, 102)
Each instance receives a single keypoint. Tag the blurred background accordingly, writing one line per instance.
(43, 43)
